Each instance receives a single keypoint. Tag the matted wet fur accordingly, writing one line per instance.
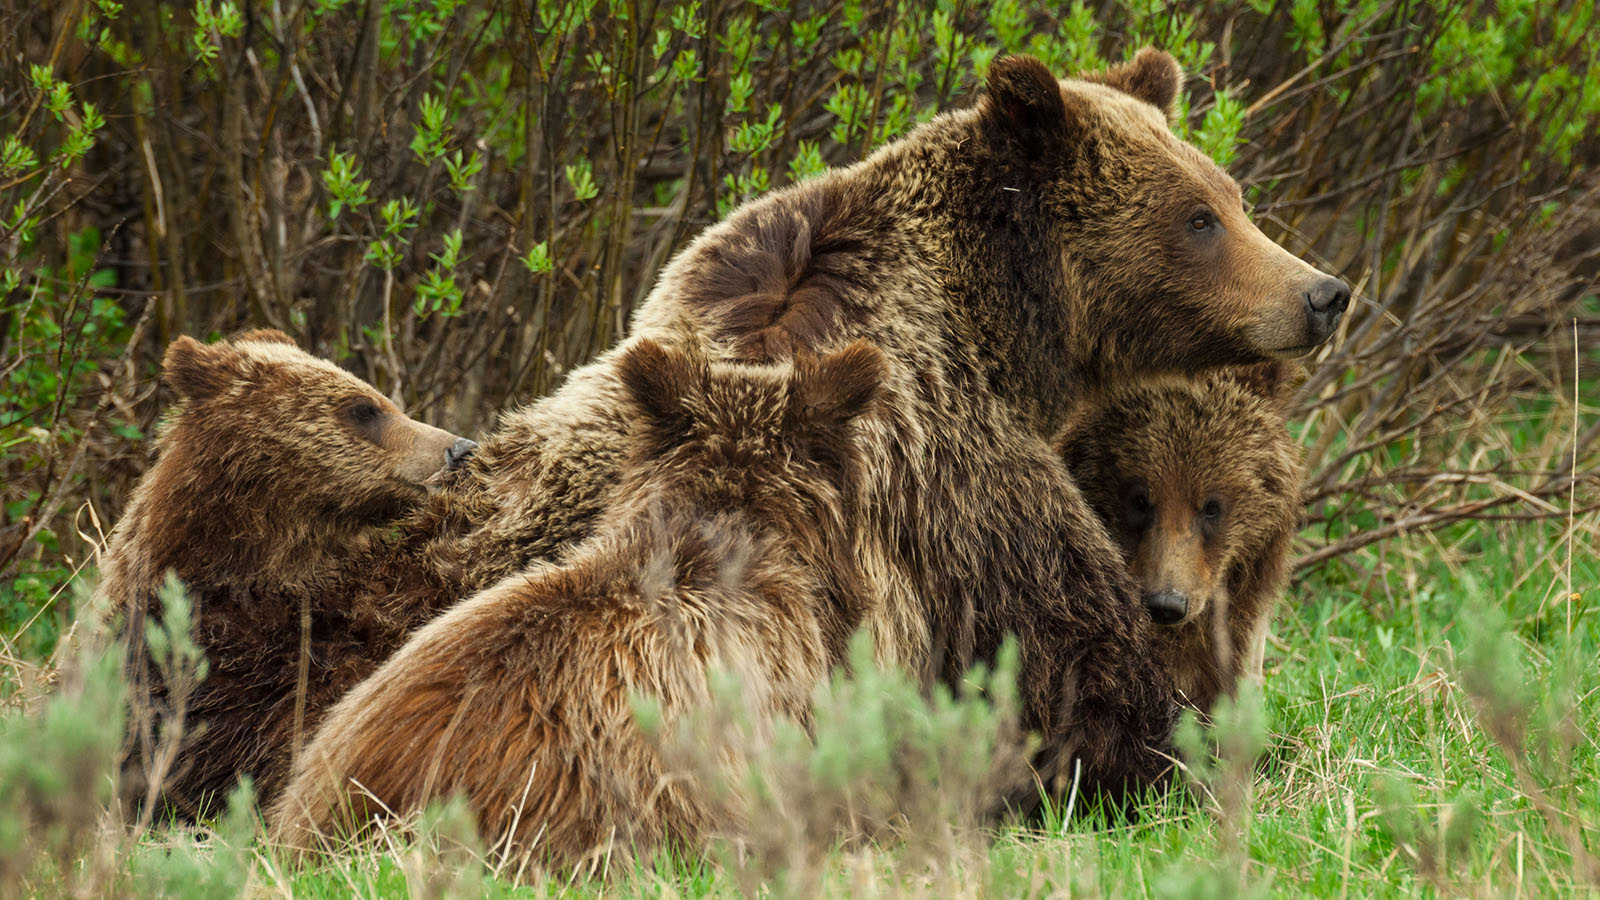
(1199, 483)
(275, 472)
(726, 546)
(1006, 259)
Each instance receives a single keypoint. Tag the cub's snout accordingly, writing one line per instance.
(1167, 607)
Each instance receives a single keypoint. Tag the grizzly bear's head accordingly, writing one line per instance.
(775, 440)
(270, 429)
(1199, 483)
(1167, 271)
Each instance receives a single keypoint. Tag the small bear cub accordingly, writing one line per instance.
(1198, 481)
(276, 470)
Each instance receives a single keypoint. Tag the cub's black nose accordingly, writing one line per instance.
(1166, 607)
(1325, 303)
(458, 452)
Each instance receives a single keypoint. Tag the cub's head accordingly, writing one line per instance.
(1166, 270)
(1197, 481)
(778, 440)
(260, 417)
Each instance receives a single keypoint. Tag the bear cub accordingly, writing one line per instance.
(275, 471)
(727, 546)
(1198, 481)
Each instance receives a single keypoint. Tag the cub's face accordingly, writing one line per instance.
(1193, 480)
(1153, 235)
(1178, 528)
(267, 414)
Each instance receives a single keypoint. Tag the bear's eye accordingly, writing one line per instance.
(1137, 509)
(362, 412)
(1212, 509)
(1202, 221)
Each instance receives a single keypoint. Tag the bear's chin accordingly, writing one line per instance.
(1286, 354)
(445, 478)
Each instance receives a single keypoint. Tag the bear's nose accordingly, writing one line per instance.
(458, 452)
(1166, 607)
(1330, 295)
(1325, 303)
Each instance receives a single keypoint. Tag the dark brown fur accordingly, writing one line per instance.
(275, 473)
(1006, 259)
(1199, 483)
(726, 545)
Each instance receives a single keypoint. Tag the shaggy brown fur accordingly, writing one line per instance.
(1005, 259)
(1199, 482)
(276, 472)
(726, 546)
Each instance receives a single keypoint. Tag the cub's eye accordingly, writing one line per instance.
(1137, 510)
(362, 412)
(1202, 222)
(1212, 509)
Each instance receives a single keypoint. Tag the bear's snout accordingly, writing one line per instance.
(458, 452)
(1166, 607)
(1326, 301)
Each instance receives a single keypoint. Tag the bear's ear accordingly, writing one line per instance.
(1074, 430)
(199, 371)
(1152, 76)
(658, 380)
(834, 389)
(266, 336)
(1024, 97)
(1274, 382)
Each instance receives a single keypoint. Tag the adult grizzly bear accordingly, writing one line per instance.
(1005, 259)
(1199, 482)
(726, 547)
(277, 471)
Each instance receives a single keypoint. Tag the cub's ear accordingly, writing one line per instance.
(199, 371)
(1074, 431)
(266, 336)
(1274, 382)
(834, 389)
(1024, 97)
(1152, 76)
(658, 379)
